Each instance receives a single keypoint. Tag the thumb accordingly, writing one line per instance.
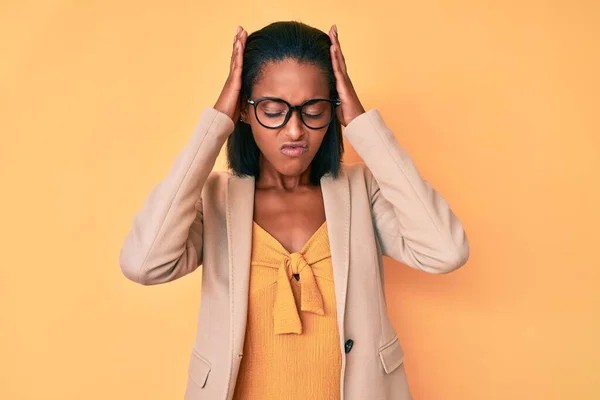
(340, 114)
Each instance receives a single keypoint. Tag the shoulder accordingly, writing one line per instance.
(216, 183)
(218, 177)
(356, 171)
(358, 175)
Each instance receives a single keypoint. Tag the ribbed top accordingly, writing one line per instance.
(291, 348)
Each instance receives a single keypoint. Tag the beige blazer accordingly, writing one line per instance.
(195, 216)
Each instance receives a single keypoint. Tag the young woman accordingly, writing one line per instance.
(291, 240)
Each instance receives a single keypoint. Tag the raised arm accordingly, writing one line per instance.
(414, 223)
(165, 240)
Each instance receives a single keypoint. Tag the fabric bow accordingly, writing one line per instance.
(287, 318)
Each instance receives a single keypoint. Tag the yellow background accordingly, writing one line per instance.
(497, 102)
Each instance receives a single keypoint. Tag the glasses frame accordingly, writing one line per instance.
(255, 102)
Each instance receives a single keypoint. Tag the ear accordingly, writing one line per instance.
(244, 109)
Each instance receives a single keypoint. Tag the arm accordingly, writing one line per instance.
(414, 223)
(165, 240)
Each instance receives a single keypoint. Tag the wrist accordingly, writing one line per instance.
(355, 114)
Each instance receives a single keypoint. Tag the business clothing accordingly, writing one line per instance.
(292, 336)
(382, 207)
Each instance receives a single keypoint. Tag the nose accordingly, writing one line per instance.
(294, 127)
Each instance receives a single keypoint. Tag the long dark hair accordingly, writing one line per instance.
(274, 43)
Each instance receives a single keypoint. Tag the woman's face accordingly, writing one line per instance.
(291, 148)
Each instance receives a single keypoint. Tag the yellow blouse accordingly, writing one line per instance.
(291, 348)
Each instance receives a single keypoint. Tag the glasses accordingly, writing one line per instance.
(273, 113)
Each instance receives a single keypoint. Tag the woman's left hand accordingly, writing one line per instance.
(350, 107)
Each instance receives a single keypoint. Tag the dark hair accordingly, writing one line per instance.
(274, 43)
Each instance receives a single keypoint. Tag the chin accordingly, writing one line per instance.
(292, 167)
(291, 170)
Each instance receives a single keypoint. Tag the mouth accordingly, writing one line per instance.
(294, 149)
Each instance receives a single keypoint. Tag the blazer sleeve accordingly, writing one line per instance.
(165, 239)
(414, 223)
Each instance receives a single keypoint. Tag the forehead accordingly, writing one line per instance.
(292, 81)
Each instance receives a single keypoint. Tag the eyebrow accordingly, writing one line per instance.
(303, 101)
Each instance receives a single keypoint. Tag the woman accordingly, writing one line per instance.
(291, 240)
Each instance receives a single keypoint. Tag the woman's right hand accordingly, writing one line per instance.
(229, 99)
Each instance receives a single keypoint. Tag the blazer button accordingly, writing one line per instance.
(348, 345)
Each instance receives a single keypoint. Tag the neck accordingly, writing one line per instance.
(270, 178)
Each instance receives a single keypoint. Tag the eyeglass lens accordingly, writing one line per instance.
(315, 114)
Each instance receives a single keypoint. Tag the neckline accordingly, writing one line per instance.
(286, 251)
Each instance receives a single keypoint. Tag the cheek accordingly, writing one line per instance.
(265, 139)
(315, 140)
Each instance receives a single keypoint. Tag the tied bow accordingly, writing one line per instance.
(287, 319)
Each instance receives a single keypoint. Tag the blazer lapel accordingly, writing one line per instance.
(336, 197)
(240, 214)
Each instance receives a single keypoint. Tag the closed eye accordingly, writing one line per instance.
(273, 115)
(313, 115)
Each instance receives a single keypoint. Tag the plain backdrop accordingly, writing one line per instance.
(497, 102)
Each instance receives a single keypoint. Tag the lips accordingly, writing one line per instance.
(294, 149)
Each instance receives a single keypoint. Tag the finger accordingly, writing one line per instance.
(236, 58)
(232, 53)
(236, 37)
(238, 46)
(332, 48)
(341, 64)
(332, 35)
(339, 57)
(243, 36)
(339, 49)
(339, 114)
(342, 60)
(233, 46)
(242, 40)
(335, 63)
(241, 45)
(336, 36)
(236, 72)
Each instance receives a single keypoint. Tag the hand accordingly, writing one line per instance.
(229, 99)
(350, 107)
